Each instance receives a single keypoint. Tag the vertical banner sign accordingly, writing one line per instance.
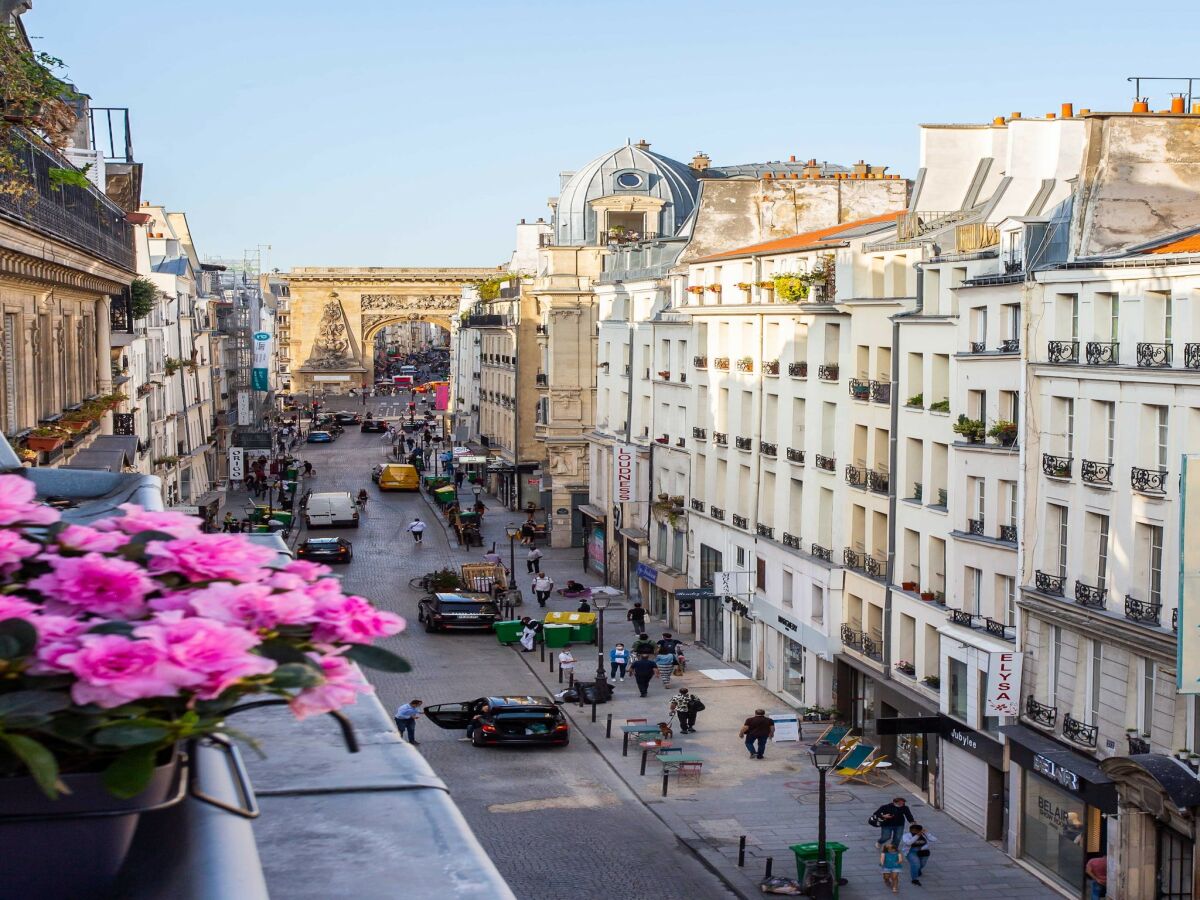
(244, 408)
(1004, 684)
(625, 474)
(237, 464)
(441, 396)
(262, 359)
(1187, 663)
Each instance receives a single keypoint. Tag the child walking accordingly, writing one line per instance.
(889, 866)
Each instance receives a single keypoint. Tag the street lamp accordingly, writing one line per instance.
(819, 883)
(600, 601)
(512, 529)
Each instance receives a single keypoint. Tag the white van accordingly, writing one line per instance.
(274, 540)
(335, 508)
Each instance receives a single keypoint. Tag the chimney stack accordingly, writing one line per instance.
(811, 169)
(861, 168)
(700, 161)
(643, 144)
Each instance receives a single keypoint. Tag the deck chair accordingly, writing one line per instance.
(854, 760)
(866, 773)
(834, 734)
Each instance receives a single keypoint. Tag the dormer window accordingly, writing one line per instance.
(630, 180)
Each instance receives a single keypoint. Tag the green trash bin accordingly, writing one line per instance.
(508, 631)
(807, 853)
(584, 633)
(556, 635)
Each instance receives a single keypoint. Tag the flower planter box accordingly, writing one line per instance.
(908, 585)
(44, 443)
(927, 596)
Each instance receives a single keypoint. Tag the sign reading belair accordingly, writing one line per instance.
(1004, 684)
(625, 474)
(262, 360)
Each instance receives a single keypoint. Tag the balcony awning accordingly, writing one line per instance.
(593, 512)
(1172, 777)
(636, 535)
(1033, 750)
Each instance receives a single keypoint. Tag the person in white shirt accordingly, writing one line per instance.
(542, 586)
(417, 528)
(533, 561)
(566, 662)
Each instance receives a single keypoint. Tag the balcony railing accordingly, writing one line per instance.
(743, 443)
(800, 369)
(794, 455)
(770, 367)
(1153, 356)
(1191, 356)
(1089, 595)
(791, 540)
(878, 481)
(1099, 354)
(1048, 584)
(721, 439)
(1010, 345)
(768, 449)
(852, 559)
(822, 552)
(697, 505)
(977, 347)
(765, 531)
(82, 216)
(828, 372)
(1141, 611)
(1148, 481)
(542, 380)
(874, 567)
(1008, 533)
(975, 236)
(881, 392)
(855, 477)
(975, 526)
(1095, 472)
(1041, 713)
(721, 363)
(699, 434)
(963, 618)
(828, 463)
(1000, 630)
(746, 364)
(717, 513)
(1080, 733)
(123, 423)
(1137, 745)
(1057, 466)
(860, 389)
(700, 362)
(740, 521)
(1062, 351)
(862, 642)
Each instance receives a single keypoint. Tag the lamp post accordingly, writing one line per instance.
(477, 489)
(512, 529)
(819, 882)
(600, 601)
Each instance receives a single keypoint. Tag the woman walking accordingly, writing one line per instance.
(889, 867)
(618, 658)
(666, 665)
(915, 847)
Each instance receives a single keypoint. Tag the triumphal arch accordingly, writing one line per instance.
(334, 314)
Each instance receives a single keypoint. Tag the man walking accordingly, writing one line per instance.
(685, 706)
(637, 616)
(643, 669)
(891, 817)
(542, 586)
(417, 528)
(533, 561)
(406, 720)
(756, 730)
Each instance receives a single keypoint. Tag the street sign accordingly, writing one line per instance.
(237, 464)
(262, 361)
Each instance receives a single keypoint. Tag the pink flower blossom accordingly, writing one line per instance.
(341, 687)
(80, 537)
(207, 557)
(13, 549)
(57, 635)
(98, 584)
(221, 653)
(137, 519)
(309, 571)
(18, 506)
(353, 620)
(248, 605)
(114, 670)
(14, 607)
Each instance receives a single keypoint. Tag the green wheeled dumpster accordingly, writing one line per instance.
(583, 625)
(556, 635)
(806, 854)
(508, 631)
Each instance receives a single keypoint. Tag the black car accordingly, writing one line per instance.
(327, 550)
(378, 426)
(443, 612)
(505, 720)
(347, 418)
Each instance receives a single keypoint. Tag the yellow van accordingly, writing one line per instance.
(398, 477)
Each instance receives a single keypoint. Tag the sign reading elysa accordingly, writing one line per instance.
(625, 474)
(1004, 684)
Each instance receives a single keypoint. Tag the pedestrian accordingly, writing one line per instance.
(668, 644)
(566, 662)
(528, 634)
(493, 557)
(889, 866)
(542, 586)
(666, 665)
(1097, 870)
(584, 606)
(308, 469)
(533, 560)
(637, 616)
(643, 669)
(458, 479)
(915, 848)
(686, 705)
(227, 522)
(643, 646)
(618, 658)
(406, 720)
(756, 730)
(890, 819)
(417, 528)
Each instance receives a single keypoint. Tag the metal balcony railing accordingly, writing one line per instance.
(828, 372)
(1041, 713)
(822, 552)
(828, 463)
(1057, 466)
(860, 389)
(913, 224)
(1079, 732)
(1100, 354)
(855, 477)
(770, 367)
(1141, 611)
(800, 369)
(1048, 584)
(717, 513)
(977, 347)
(1000, 630)
(721, 439)
(794, 455)
(874, 567)
(746, 364)
(975, 526)
(721, 363)
(1191, 356)
(963, 618)
(881, 392)
(542, 380)
(699, 434)
(1062, 351)
(697, 505)
(1094, 472)
(1090, 595)
(123, 423)
(766, 531)
(1138, 745)
(852, 559)
(740, 521)
(878, 481)
(791, 540)
(1148, 481)
(1154, 356)
(743, 443)
(768, 449)
(1010, 345)
(700, 362)
(1008, 533)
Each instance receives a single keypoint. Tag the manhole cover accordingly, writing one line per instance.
(830, 797)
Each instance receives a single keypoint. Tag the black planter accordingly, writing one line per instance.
(74, 846)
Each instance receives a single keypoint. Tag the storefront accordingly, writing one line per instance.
(971, 774)
(634, 539)
(903, 726)
(712, 608)
(595, 540)
(742, 633)
(1064, 802)
(658, 583)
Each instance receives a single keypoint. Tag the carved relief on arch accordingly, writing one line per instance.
(409, 302)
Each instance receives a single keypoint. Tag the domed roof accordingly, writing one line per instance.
(631, 170)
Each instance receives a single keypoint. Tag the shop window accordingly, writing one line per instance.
(1053, 833)
(957, 694)
(760, 574)
(793, 673)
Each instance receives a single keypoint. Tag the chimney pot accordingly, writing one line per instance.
(1177, 104)
(1085, 111)
(1141, 106)
(1015, 115)
(522, 221)
(1068, 110)
(792, 158)
(1049, 115)
(700, 161)
(1196, 109)
(643, 144)
(999, 120)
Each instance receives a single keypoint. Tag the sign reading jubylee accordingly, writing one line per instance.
(625, 474)
(262, 359)
(1004, 684)
(1187, 663)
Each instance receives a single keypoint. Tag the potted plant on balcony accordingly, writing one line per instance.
(906, 667)
(744, 286)
(942, 406)
(714, 288)
(768, 285)
(933, 681)
(927, 596)
(665, 374)
(972, 430)
(696, 289)
(917, 401)
(127, 640)
(791, 288)
(1005, 432)
(47, 438)
(143, 294)
(908, 585)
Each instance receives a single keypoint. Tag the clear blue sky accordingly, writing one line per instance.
(395, 132)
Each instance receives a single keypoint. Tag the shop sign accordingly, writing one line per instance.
(237, 464)
(787, 727)
(262, 360)
(1004, 684)
(243, 400)
(731, 584)
(1055, 772)
(625, 474)
(693, 594)
(648, 572)
(790, 626)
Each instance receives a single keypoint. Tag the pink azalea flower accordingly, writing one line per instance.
(14, 607)
(57, 635)
(309, 571)
(80, 537)
(248, 605)
(207, 557)
(13, 549)
(113, 670)
(98, 584)
(354, 620)
(341, 687)
(221, 653)
(137, 519)
(18, 506)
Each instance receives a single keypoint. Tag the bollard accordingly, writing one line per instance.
(543, 651)
(559, 674)
(666, 775)
(571, 683)
(742, 851)
(643, 769)
(594, 707)
(608, 726)
(770, 866)
(552, 665)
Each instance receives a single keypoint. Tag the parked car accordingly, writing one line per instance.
(443, 612)
(319, 437)
(504, 720)
(376, 472)
(376, 426)
(329, 550)
(331, 508)
(347, 418)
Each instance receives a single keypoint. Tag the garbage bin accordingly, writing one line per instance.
(807, 853)
(508, 631)
(583, 625)
(557, 635)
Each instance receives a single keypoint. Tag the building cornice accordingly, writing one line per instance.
(1115, 629)
(41, 261)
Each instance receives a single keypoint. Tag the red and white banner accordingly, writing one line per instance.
(625, 474)
(1003, 684)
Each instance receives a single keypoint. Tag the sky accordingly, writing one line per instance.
(404, 133)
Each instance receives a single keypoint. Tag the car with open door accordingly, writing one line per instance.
(515, 719)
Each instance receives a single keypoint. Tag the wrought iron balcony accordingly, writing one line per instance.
(822, 552)
(855, 477)
(1057, 466)
(740, 521)
(1101, 354)
(1048, 584)
(721, 363)
(766, 448)
(1041, 713)
(850, 637)
(1078, 732)
(123, 423)
(1090, 596)
(770, 367)
(1141, 611)
(1154, 356)
(876, 568)
(743, 443)
(794, 455)
(1010, 345)
(1138, 745)
(1191, 356)
(697, 505)
(717, 513)
(828, 463)
(862, 642)
(1008, 533)
(877, 481)
(791, 540)
(721, 439)
(881, 392)
(800, 369)
(961, 617)
(699, 433)
(975, 526)
(852, 559)
(1000, 630)
(977, 347)
(700, 362)
(828, 372)
(860, 389)
(1148, 481)
(745, 364)
(1062, 351)
(1095, 472)
(765, 531)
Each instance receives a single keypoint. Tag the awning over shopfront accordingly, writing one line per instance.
(1077, 773)
(592, 512)
(636, 535)
(661, 575)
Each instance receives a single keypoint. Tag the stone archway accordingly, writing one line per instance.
(334, 313)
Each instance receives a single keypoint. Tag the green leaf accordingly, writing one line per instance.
(295, 675)
(38, 760)
(17, 638)
(130, 734)
(128, 774)
(25, 708)
(113, 627)
(282, 652)
(377, 658)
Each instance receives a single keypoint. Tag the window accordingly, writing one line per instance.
(760, 574)
(1145, 721)
(1008, 500)
(1056, 521)
(1097, 662)
(1069, 420)
(1107, 420)
(1056, 663)
(972, 589)
(710, 564)
(786, 589)
(679, 545)
(1013, 315)
(1097, 543)
(1006, 593)
(1155, 534)
(740, 556)
(1161, 434)
(817, 611)
(957, 694)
